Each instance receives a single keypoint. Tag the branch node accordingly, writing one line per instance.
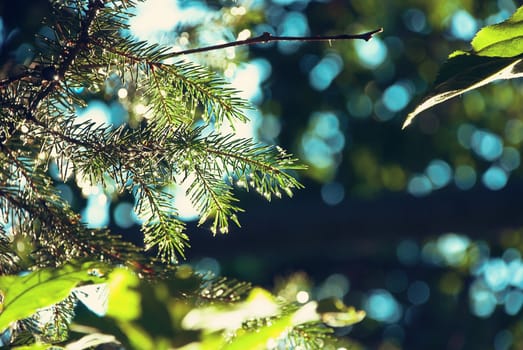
(265, 37)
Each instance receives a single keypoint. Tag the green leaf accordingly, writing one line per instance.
(259, 304)
(504, 39)
(260, 338)
(497, 55)
(124, 298)
(24, 295)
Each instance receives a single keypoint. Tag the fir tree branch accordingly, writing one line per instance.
(54, 215)
(83, 37)
(161, 229)
(70, 54)
(258, 166)
(211, 196)
(22, 171)
(266, 167)
(267, 37)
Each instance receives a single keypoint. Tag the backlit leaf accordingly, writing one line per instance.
(24, 295)
(480, 72)
(260, 338)
(124, 298)
(504, 39)
(497, 54)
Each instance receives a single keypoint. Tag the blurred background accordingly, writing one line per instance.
(422, 228)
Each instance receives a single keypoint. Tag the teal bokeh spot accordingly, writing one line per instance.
(487, 145)
(293, 24)
(322, 75)
(289, 2)
(419, 186)
(439, 173)
(382, 306)
(482, 300)
(208, 267)
(96, 212)
(323, 142)
(327, 124)
(418, 292)
(510, 159)
(463, 26)
(123, 215)
(118, 114)
(513, 302)
(495, 178)
(396, 97)
(453, 248)
(317, 151)
(415, 20)
(496, 274)
(371, 53)
(332, 193)
(2, 32)
(65, 192)
(335, 286)
(96, 112)
(54, 171)
(465, 132)
(515, 268)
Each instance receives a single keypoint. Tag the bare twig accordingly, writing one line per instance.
(268, 37)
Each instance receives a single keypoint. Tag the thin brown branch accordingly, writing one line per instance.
(267, 37)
